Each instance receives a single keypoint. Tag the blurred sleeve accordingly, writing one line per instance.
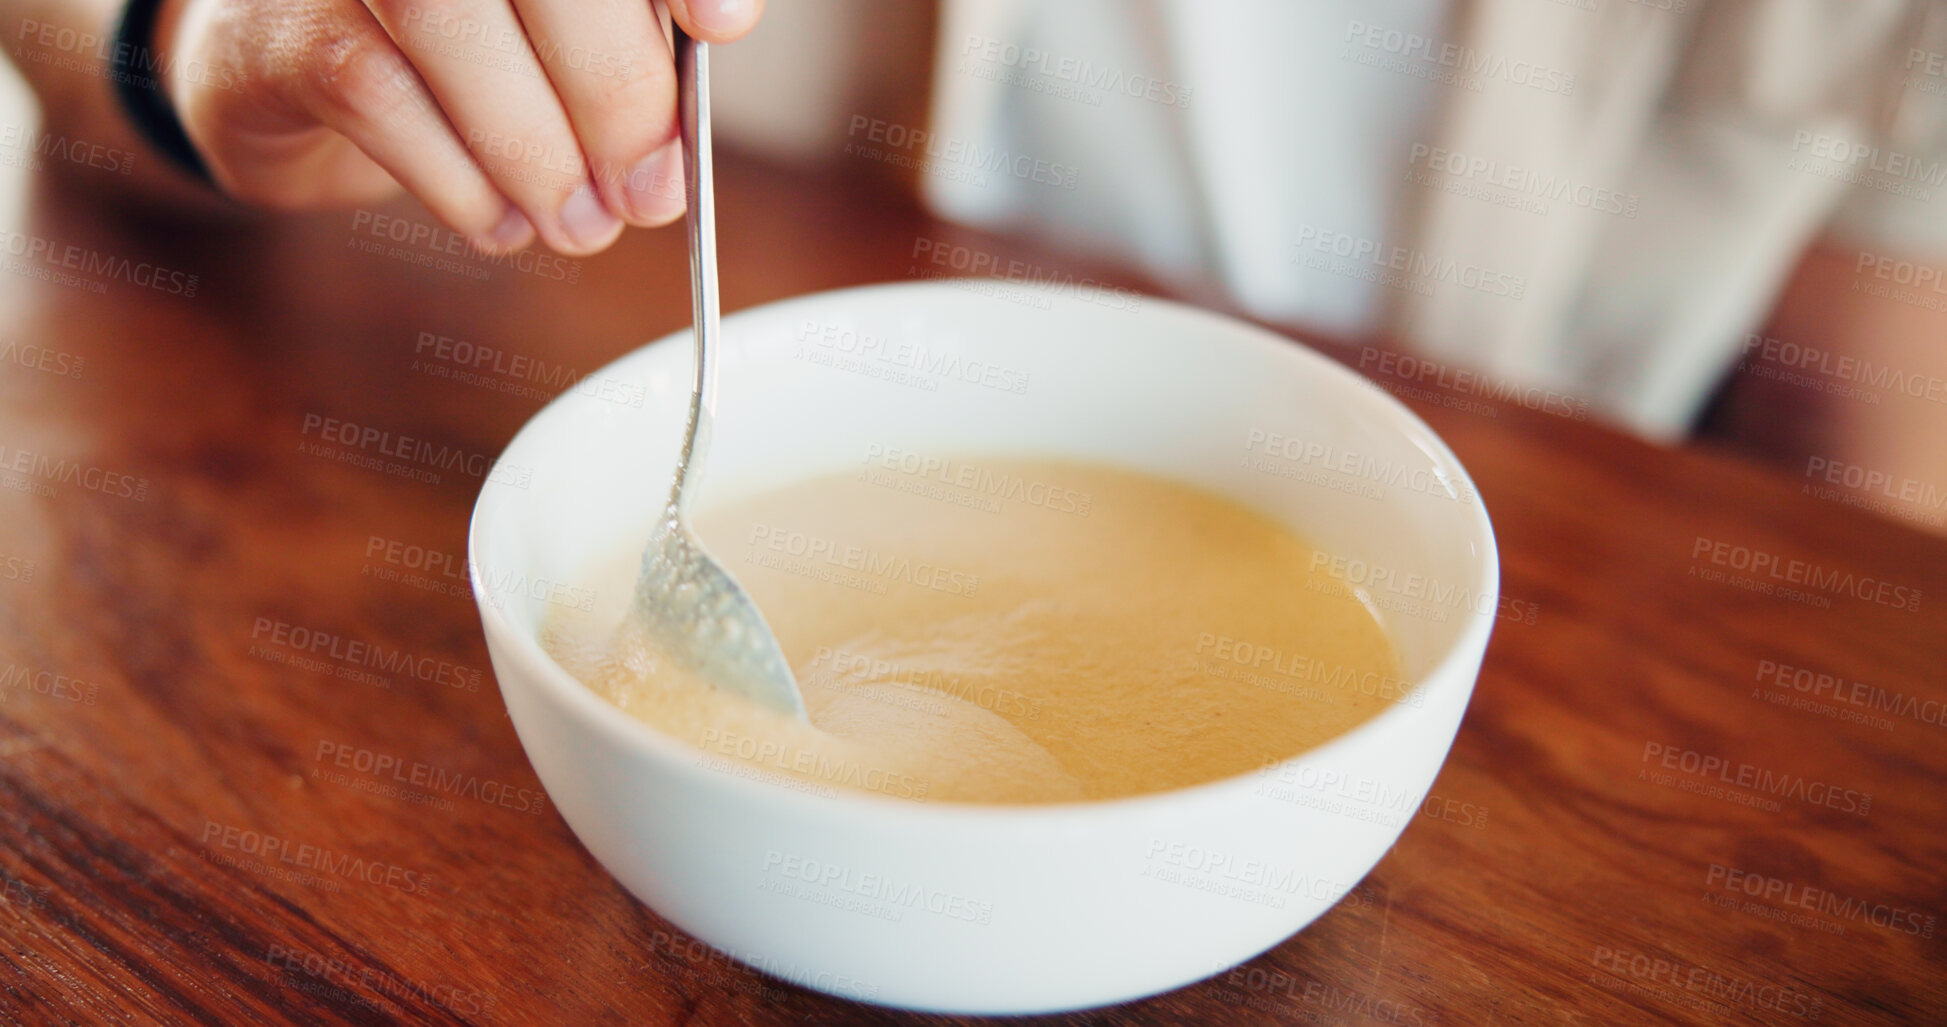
(1596, 198)
(1898, 196)
(1199, 143)
(1717, 122)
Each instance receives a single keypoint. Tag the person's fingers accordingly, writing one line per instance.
(369, 93)
(343, 98)
(716, 21)
(339, 73)
(504, 108)
(611, 67)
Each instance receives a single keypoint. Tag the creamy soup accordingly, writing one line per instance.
(1008, 631)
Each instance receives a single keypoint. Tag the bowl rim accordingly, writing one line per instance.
(604, 718)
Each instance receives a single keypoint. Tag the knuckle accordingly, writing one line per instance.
(623, 120)
(425, 20)
(647, 94)
(647, 83)
(366, 76)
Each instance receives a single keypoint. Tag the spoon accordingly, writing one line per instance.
(692, 611)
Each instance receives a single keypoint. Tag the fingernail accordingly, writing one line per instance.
(587, 221)
(654, 188)
(514, 230)
(723, 17)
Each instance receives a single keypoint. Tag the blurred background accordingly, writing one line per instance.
(1697, 220)
(1690, 219)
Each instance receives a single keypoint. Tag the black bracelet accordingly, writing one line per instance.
(137, 72)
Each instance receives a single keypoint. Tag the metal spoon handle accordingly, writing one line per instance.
(688, 607)
(693, 111)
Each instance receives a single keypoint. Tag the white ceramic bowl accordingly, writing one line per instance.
(991, 909)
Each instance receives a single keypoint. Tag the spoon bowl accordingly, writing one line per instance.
(688, 608)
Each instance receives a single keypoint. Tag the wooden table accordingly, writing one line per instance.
(1656, 810)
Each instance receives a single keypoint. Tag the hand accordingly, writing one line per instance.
(506, 118)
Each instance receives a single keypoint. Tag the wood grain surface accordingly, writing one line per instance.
(167, 524)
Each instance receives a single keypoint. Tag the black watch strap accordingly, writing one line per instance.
(137, 72)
